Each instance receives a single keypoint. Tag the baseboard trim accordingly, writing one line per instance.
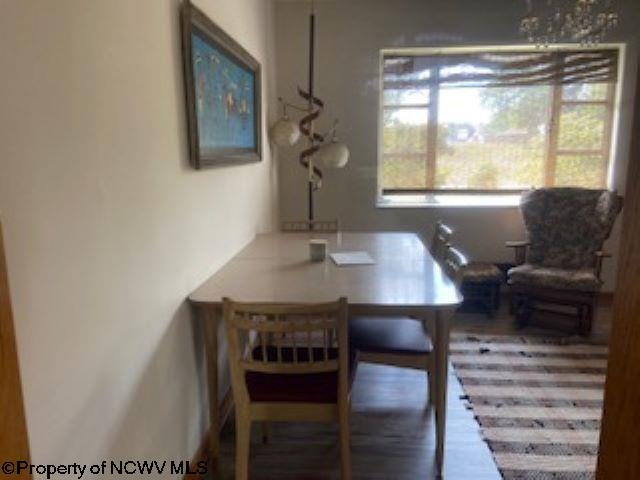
(202, 454)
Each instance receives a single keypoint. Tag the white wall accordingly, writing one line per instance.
(350, 36)
(107, 227)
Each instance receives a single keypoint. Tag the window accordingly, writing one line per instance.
(495, 122)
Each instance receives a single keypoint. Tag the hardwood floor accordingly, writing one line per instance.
(392, 437)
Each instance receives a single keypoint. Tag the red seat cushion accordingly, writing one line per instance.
(399, 335)
(296, 388)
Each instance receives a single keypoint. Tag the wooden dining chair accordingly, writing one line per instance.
(455, 264)
(319, 226)
(403, 341)
(482, 280)
(441, 238)
(289, 363)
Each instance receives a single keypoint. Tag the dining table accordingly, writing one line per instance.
(403, 280)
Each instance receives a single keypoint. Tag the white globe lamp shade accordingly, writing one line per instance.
(333, 155)
(285, 133)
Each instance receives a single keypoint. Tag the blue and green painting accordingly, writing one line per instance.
(224, 99)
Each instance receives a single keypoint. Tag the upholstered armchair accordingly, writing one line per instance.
(557, 274)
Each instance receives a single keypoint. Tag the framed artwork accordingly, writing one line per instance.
(223, 92)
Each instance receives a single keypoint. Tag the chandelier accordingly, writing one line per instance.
(322, 148)
(582, 21)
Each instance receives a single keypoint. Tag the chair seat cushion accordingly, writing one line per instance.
(401, 335)
(295, 387)
(482, 272)
(549, 277)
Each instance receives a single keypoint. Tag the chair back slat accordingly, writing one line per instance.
(282, 326)
(294, 338)
(309, 349)
(279, 344)
(286, 338)
(325, 346)
(263, 341)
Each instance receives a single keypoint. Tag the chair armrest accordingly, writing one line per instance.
(517, 244)
(600, 256)
(520, 250)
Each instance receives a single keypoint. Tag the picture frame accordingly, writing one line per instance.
(223, 87)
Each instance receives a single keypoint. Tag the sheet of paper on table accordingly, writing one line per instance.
(352, 258)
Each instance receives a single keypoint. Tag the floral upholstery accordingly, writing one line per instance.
(584, 280)
(567, 226)
(482, 272)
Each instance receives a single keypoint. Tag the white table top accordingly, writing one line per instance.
(275, 267)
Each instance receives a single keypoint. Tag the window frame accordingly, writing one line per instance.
(432, 196)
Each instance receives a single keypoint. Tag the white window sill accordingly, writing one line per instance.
(448, 201)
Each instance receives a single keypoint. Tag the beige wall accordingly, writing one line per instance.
(350, 36)
(107, 227)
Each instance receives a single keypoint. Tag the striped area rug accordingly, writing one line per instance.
(538, 402)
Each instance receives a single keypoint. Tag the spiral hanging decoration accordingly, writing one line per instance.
(306, 123)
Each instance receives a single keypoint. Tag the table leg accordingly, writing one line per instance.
(210, 328)
(442, 380)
